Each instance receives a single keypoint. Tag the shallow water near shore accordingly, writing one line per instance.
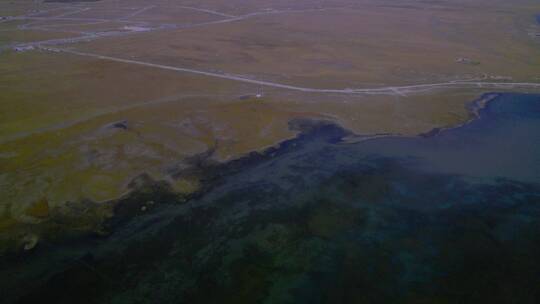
(449, 217)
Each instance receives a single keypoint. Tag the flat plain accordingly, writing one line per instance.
(94, 94)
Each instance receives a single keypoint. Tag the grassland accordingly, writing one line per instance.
(347, 47)
(76, 128)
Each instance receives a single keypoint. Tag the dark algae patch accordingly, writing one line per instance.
(452, 216)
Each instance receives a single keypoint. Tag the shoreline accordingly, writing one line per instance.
(269, 188)
(144, 189)
(473, 108)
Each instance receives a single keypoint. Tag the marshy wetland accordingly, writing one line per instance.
(367, 151)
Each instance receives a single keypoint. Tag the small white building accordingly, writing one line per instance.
(23, 48)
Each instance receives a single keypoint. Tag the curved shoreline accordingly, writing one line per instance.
(289, 188)
(210, 173)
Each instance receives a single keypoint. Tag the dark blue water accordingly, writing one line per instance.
(448, 218)
(503, 143)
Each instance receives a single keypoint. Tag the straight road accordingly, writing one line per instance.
(391, 90)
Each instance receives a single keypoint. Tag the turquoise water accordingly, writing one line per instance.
(453, 217)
